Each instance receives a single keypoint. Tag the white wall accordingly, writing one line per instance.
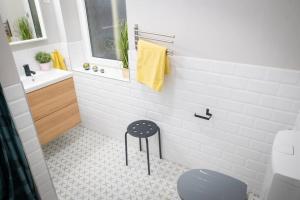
(74, 41)
(11, 10)
(297, 123)
(249, 104)
(18, 106)
(71, 20)
(263, 32)
(27, 56)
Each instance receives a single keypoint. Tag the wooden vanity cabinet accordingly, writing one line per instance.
(54, 109)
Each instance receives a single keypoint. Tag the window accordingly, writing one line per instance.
(100, 23)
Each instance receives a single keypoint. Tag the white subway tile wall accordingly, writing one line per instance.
(18, 106)
(27, 56)
(297, 124)
(249, 105)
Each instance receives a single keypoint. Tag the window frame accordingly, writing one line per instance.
(87, 42)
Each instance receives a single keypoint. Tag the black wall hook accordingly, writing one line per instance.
(207, 117)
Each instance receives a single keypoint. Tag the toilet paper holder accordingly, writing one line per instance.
(207, 117)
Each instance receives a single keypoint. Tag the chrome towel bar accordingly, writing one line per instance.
(158, 34)
(147, 36)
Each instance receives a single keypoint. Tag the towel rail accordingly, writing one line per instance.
(144, 35)
(160, 40)
(158, 34)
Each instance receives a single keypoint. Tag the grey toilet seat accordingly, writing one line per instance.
(203, 184)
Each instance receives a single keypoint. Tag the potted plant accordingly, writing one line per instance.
(123, 45)
(44, 59)
(25, 31)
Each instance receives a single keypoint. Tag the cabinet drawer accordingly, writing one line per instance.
(50, 99)
(57, 123)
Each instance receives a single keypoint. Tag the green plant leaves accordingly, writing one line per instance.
(24, 28)
(123, 44)
(43, 57)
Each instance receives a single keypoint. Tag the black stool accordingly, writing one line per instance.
(143, 129)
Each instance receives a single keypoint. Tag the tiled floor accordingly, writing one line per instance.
(86, 165)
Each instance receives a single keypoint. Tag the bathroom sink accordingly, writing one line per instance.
(44, 78)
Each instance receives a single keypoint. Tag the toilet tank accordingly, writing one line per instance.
(282, 181)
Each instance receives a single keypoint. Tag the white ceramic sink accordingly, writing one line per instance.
(43, 79)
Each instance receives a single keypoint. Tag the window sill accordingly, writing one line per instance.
(109, 72)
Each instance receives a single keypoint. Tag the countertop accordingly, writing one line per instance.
(43, 79)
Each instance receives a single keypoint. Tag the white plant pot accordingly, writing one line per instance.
(45, 66)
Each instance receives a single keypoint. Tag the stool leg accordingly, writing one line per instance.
(159, 144)
(140, 144)
(126, 148)
(148, 156)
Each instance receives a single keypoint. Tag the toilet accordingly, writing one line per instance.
(282, 180)
(204, 184)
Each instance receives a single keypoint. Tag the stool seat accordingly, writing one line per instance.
(142, 128)
(203, 184)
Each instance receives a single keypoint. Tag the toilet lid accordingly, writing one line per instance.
(203, 184)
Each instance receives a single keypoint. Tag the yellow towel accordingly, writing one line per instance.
(58, 60)
(152, 64)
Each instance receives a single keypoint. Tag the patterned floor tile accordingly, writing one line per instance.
(87, 165)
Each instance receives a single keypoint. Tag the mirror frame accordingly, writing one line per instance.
(42, 24)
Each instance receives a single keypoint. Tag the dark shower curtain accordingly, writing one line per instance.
(16, 181)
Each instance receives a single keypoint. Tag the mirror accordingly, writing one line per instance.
(22, 21)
